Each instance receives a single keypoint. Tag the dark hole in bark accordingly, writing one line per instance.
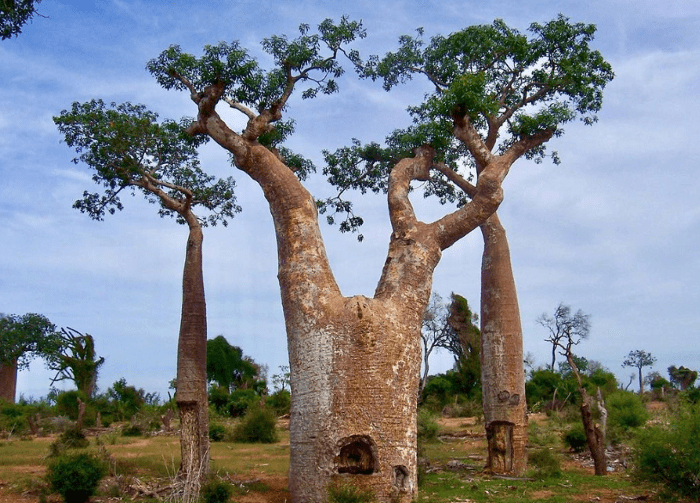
(400, 477)
(356, 456)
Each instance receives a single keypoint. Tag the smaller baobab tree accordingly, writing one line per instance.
(639, 359)
(566, 331)
(75, 360)
(21, 339)
(130, 151)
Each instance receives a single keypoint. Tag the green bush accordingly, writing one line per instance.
(626, 410)
(575, 438)
(76, 476)
(74, 438)
(280, 401)
(217, 432)
(544, 462)
(240, 400)
(427, 426)
(258, 425)
(133, 430)
(216, 491)
(671, 453)
(67, 403)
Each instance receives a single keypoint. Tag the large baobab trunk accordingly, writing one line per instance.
(502, 372)
(8, 381)
(191, 394)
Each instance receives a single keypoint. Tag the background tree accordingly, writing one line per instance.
(281, 381)
(14, 14)
(130, 151)
(566, 331)
(639, 359)
(22, 338)
(682, 377)
(564, 327)
(75, 359)
(229, 368)
(493, 88)
(434, 332)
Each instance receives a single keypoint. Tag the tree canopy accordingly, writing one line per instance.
(25, 337)
(129, 150)
(14, 14)
(495, 92)
(228, 367)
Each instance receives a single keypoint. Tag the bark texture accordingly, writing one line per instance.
(502, 371)
(354, 361)
(8, 381)
(191, 395)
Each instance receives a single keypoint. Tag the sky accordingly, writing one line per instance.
(612, 230)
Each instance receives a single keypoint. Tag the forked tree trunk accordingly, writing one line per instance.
(8, 381)
(191, 395)
(502, 369)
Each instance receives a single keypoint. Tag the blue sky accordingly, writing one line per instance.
(613, 230)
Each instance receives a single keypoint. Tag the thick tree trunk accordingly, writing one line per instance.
(8, 381)
(502, 369)
(191, 395)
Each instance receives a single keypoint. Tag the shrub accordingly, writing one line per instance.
(76, 476)
(133, 430)
(427, 426)
(575, 438)
(671, 453)
(216, 491)
(348, 494)
(74, 438)
(217, 432)
(280, 401)
(626, 410)
(240, 400)
(545, 463)
(67, 403)
(258, 425)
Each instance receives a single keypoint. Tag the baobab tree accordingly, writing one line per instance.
(508, 87)
(130, 151)
(22, 338)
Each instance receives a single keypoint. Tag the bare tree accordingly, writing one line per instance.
(566, 331)
(434, 334)
(564, 328)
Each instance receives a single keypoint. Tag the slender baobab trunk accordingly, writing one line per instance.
(191, 395)
(8, 381)
(502, 370)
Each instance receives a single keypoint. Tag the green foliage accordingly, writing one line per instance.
(671, 453)
(123, 400)
(217, 432)
(229, 368)
(14, 14)
(682, 377)
(75, 359)
(129, 151)
(427, 425)
(216, 491)
(25, 337)
(258, 425)
(626, 410)
(545, 462)
(280, 401)
(67, 403)
(575, 437)
(345, 493)
(240, 401)
(76, 476)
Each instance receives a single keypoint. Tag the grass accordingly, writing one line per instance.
(262, 468)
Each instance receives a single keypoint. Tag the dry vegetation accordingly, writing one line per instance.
(142, 467)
